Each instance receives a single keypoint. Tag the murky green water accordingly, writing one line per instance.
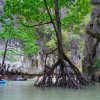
(25, 90)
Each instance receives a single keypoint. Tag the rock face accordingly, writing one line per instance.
(95, 2)
(90, 51)
(27, 64)
(93, 27)
(35, 64)
(76, 56)
(92, 39)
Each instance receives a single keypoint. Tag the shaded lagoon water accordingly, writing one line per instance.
(25, 90)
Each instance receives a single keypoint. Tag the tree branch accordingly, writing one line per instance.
(52, 51)
(46, 58)
(50, 16)
(40, 24)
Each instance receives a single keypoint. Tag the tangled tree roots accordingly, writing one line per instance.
(65, 78)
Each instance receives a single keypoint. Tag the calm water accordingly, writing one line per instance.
(25, 90)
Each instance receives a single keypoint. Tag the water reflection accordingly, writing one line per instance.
(25, 90)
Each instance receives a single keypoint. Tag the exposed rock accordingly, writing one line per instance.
(76, 56)
(92, 39)
(28, 64)
(96, 2)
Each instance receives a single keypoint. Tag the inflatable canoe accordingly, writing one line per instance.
(19, 79)
(2, 81)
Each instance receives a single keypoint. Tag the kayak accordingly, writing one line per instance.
(19, 79)
(2, 81)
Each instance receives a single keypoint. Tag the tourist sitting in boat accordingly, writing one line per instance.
(39, 80)
(15, 78)
(0, 78)
(18, 78)
(54, 79)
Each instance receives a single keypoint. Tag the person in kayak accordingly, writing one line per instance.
(0, 78)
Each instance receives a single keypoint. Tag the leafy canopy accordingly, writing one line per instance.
(21, 16)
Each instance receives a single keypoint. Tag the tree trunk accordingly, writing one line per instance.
(5, 51)
(58, 34)
(65, 78)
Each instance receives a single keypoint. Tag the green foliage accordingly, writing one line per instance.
(65, 39)
(72, 36)
(35, 10)
(84, 23)
(25, 36)
(1, 52)
(77, 10)
(68, 54)
(97, 62)
(81, 44)
(30, 9)
(12, 54)
(51, 44)
(28, 13)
